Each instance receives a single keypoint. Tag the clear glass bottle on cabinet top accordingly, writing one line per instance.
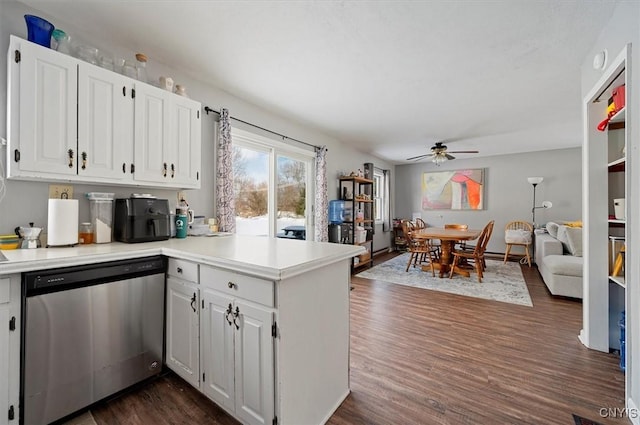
(141, 67)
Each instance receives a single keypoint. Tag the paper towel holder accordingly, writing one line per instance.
(62, 222)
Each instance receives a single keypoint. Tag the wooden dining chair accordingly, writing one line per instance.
(419, 249)
(420, 224)
(518, 233)
(477, 255)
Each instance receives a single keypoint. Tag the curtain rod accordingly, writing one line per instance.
(207, 110)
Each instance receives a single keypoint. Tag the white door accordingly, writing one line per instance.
(105, 123)
(183, 150)
(254, 365)
(48, 120)
(217, 331)
(182, 330)
(151, 125)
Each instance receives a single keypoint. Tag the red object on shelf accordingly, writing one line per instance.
(619, 97)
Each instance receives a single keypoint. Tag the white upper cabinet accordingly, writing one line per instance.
(167, 134)
(184, 148)
(70, 120)
(105, 123)
(151, 133)
(43, 133)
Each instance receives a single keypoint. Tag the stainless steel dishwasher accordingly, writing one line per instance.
(89, 332)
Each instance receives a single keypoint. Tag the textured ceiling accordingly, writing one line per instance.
(389, 77)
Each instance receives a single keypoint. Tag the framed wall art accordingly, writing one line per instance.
(453, 190)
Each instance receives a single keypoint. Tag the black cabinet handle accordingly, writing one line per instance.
(231, 285)
(173, 171)
(164, 170)
(84, 160)
(228, 312)
(124, 167)
(179, 270)
(236, 315)
(193, 302)
(70, 153)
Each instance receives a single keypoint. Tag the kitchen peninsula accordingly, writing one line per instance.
(284, 358)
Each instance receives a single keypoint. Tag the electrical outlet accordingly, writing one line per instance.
(60, 191)
(181, 195)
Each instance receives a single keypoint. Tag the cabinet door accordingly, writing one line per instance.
(183, 151)
(217, 348)
(151, 131)
(105, 123)
(9, 349)
(254, 365)
(4, 354)
(182, 330)
(47, 108)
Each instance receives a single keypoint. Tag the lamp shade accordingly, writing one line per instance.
(535, 180)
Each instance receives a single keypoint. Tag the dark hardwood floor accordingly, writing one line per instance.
(426, 357)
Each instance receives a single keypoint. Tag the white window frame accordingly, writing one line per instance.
(378, 193)
(276, 148)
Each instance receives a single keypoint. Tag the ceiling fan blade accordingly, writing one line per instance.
(449, 157)
(418, 157)
(464, 151)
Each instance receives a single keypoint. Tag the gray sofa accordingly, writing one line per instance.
(558, 255)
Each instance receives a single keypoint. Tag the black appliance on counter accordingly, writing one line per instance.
(141, 220)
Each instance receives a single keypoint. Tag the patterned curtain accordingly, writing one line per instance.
(322, 202)
(225, 202)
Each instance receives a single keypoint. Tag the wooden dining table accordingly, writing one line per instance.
(448, 238)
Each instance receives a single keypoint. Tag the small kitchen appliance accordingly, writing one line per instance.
(141, 220)
(30, 236)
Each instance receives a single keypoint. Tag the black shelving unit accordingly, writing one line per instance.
(357, 193)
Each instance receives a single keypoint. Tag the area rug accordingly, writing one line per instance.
(501, 282)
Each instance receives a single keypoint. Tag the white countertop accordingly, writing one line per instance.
(268, 258)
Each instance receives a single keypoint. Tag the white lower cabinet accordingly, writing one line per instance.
(237, 357)
(183, 329)
(9, 348)
(219, 337)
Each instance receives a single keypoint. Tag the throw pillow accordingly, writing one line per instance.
(562, 237)
(519, 236)
(574, 237)
(577, 223)
(552, 228)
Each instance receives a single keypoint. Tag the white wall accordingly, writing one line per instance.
(27, 201)
(507, 196)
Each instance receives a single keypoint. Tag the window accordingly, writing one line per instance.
(378, 195)
(273, 187)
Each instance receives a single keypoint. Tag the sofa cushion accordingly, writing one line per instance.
(552, 228)
(574, 238)
(563, 238)
(565, 265)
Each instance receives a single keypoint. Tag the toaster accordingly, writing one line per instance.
(141, 220)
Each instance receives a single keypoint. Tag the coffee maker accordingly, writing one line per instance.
(30, 236)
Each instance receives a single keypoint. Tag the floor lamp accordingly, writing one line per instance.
(535, 181)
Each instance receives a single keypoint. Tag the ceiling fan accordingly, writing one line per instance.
(439, 154)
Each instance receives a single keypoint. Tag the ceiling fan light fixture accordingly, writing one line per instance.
(438, 159)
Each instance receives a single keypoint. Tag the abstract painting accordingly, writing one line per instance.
(453, 190)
